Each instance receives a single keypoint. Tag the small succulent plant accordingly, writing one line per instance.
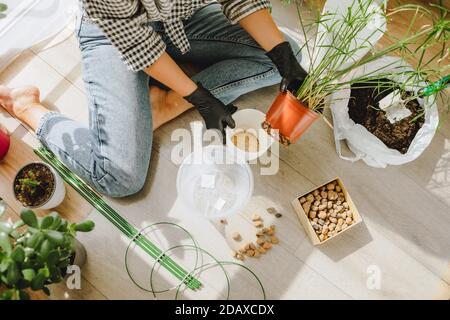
(35, 251)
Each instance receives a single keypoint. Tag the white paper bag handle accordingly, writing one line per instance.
(356, 156)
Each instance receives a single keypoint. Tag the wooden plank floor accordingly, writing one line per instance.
(406, 227)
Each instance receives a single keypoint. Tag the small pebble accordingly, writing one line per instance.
(322, 215)
(267, 246)
(236, 236)
(306, 207)
(258, 224)
(272, 210)
(223, 221)
(302, 201)
(256, 217)
(331, 186)
(310, 198)
(278, 215)
(274, 240)
(261, 250)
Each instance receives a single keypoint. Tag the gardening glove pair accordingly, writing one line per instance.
(290, 70)
(215, 114)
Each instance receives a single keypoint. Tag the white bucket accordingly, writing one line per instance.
(249, 120)
(211, 184)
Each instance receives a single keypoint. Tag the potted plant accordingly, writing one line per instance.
(35, 252)
(37, 185)
(335, 44)
(4, 143)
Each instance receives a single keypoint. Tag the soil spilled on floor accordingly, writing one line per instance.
(363, 108)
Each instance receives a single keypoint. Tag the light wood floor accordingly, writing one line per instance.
(406, 210)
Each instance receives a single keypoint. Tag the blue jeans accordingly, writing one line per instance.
(113, 153)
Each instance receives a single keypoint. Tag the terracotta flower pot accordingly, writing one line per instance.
(4, 143)
(290, 116)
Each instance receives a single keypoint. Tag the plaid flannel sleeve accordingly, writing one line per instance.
(235, 10)
(124, 23)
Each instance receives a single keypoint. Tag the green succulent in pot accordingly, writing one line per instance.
(35, 252)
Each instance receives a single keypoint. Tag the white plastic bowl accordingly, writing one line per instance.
(249, 120)
(211, 184)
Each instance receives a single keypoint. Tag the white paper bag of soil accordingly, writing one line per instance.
(366, 146)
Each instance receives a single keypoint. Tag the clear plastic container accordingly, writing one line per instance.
(212, 184)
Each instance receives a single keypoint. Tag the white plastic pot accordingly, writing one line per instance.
(249, 120)
(364, 145)
(212, 184)
(59, 191)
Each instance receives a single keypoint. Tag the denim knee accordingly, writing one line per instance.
(118, 184)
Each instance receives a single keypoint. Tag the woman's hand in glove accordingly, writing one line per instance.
(215, 114)
(290, 70)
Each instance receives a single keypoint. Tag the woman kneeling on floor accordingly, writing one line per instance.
(124, 45)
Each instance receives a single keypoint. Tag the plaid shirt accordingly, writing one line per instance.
(125, 23)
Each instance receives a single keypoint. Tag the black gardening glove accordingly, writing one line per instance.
(290, 70)
(215, 114)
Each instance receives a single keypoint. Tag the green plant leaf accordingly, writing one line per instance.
(53, 258)
(85, 226)
(7, 295)
(28, 274)
(45, 222)
(35, 240)
(4, 242)
(55, 236)
(23, 295)
(44, 271)
(5, 227)
(63, 226)
(12, 274)
(38, 282)
(56, 220)
(29, 217)
(46, 247)
(4, 265)
(18, 254)
(3, 7)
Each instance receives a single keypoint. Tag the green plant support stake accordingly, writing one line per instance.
(116, 219)
(435, 87)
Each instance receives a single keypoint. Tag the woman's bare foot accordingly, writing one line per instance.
(166, 105)
(23, 103)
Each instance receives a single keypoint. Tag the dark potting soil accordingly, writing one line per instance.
(34, 185)
(363, 108)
